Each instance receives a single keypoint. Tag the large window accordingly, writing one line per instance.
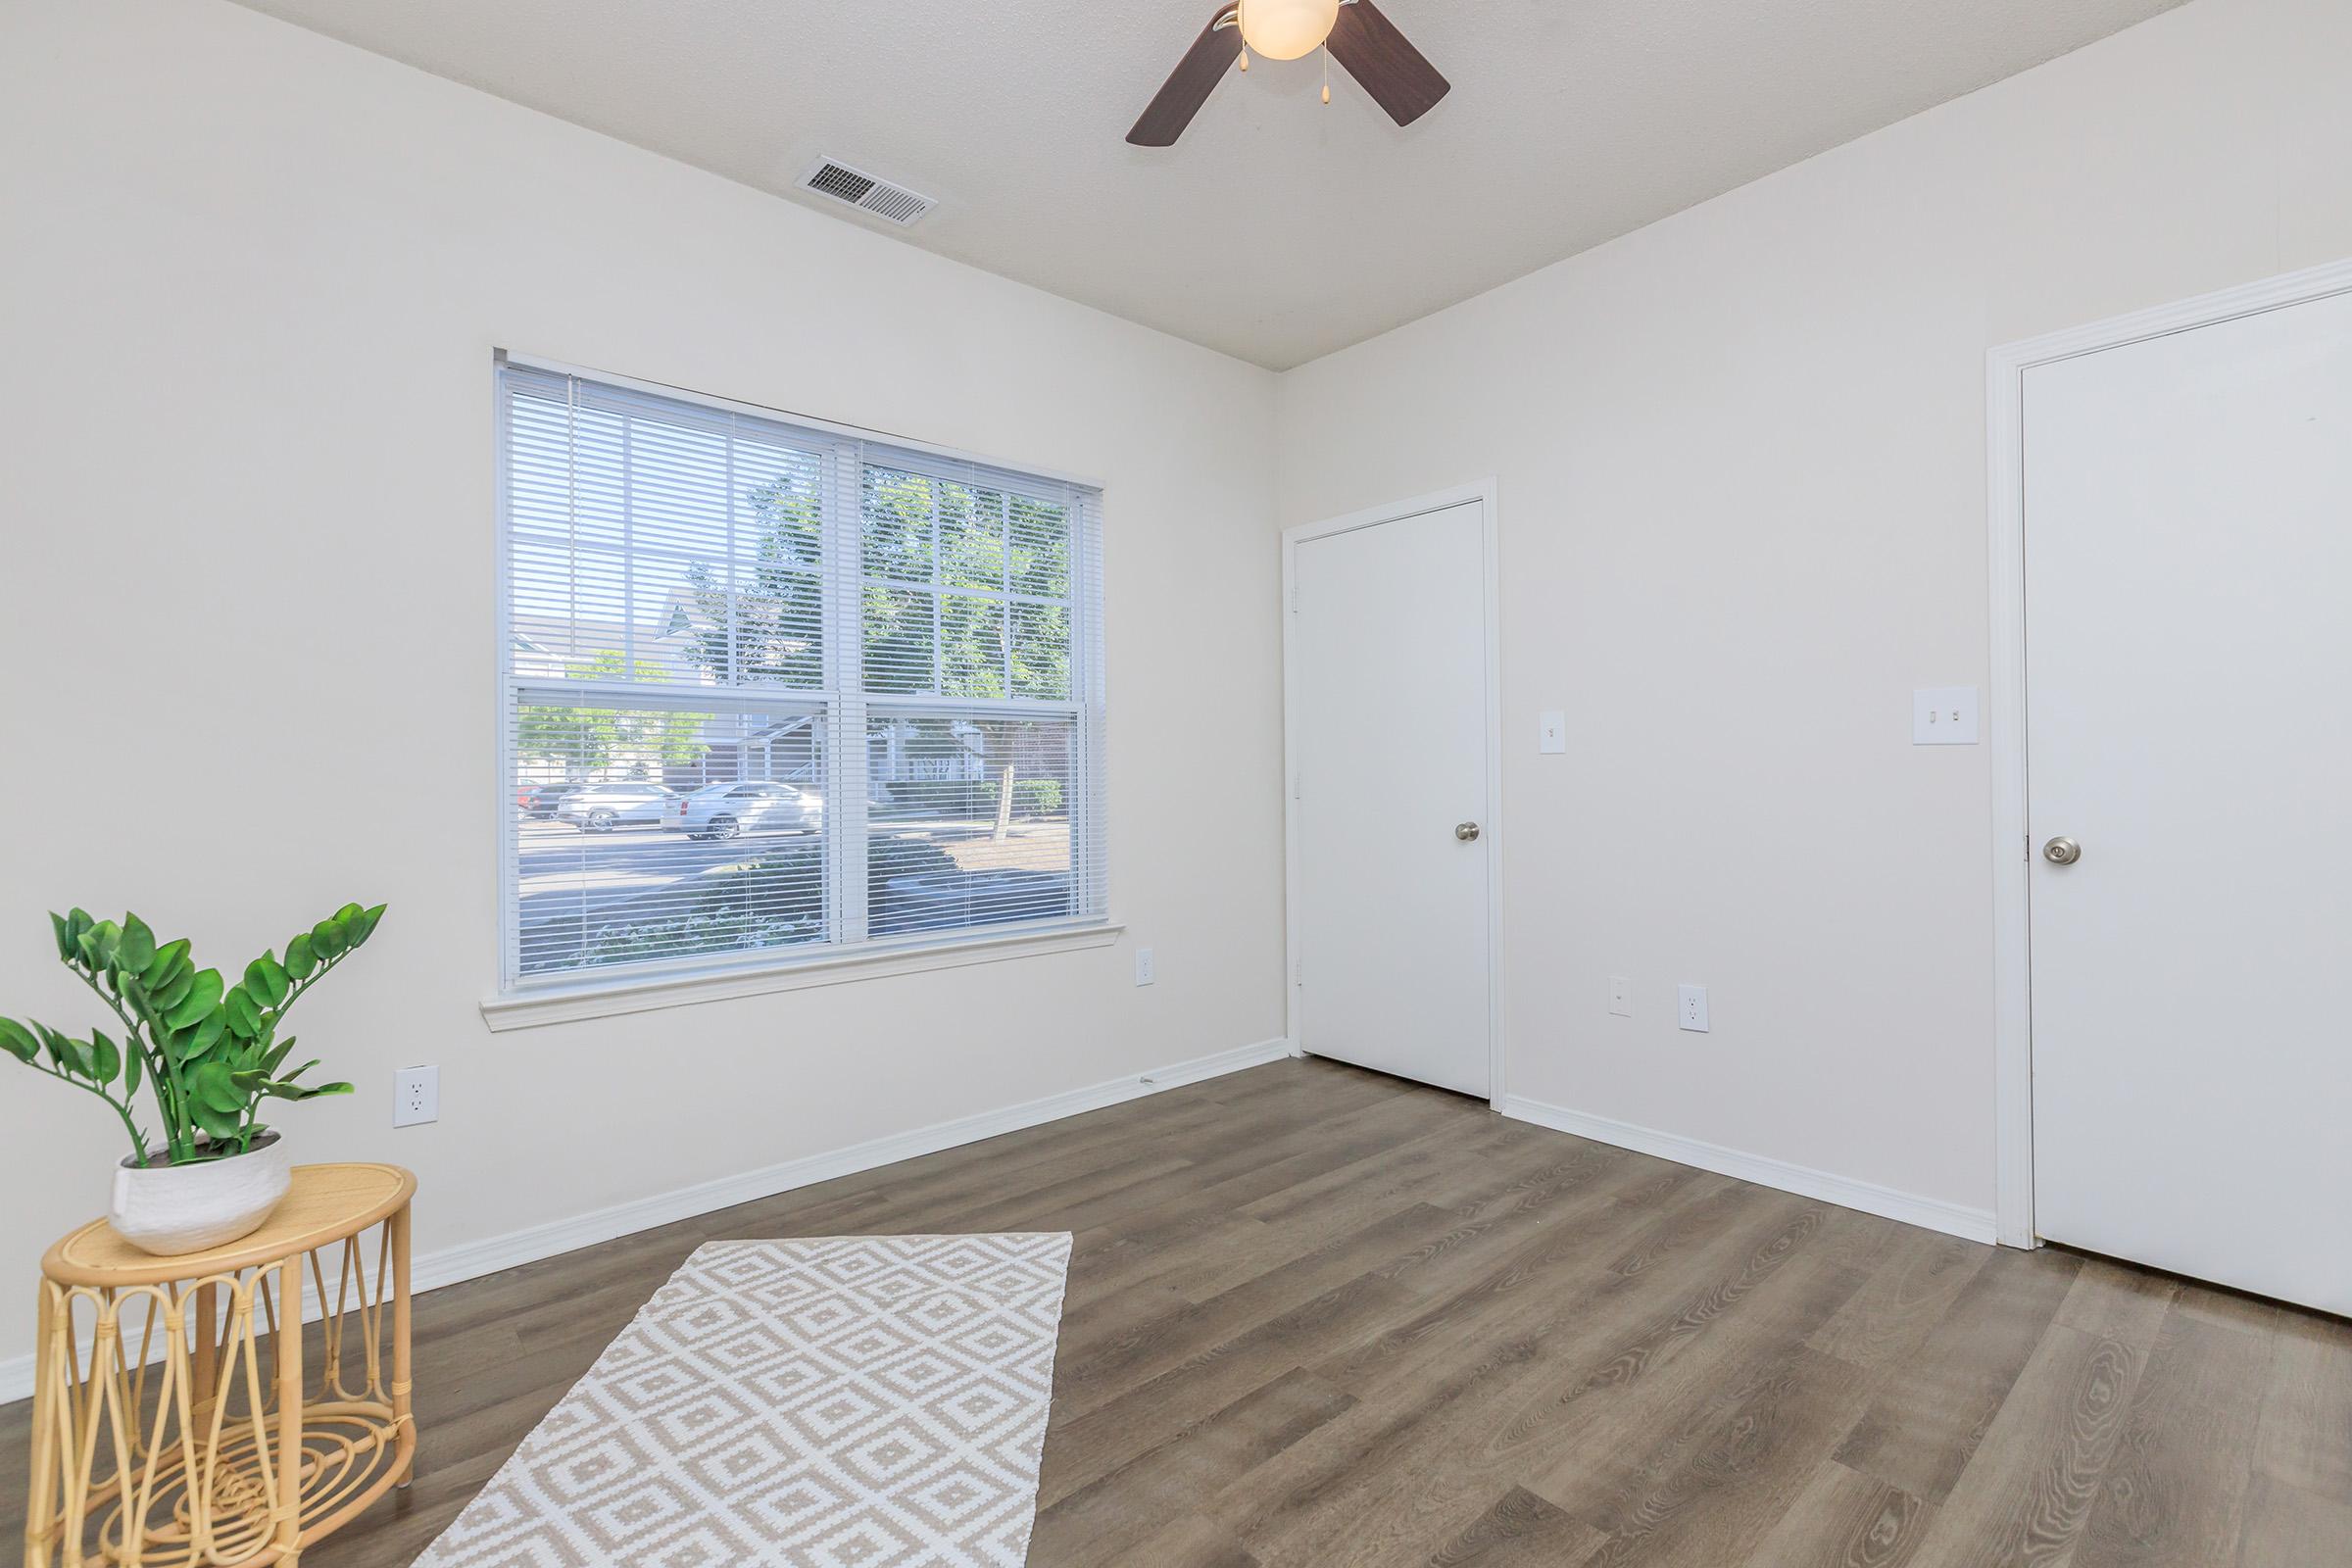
(774, 692)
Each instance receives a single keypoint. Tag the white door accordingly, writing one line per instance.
(1389, 781)
(2188, 592)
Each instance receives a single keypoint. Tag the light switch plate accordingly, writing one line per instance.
(1943, 716)
(1621, 996)
(1690, 1007)
(1146, 970)
(1551, 731)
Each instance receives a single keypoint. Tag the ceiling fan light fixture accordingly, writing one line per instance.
(1367, 45)
(1286, 29)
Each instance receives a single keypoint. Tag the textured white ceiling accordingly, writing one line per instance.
(1276, 229)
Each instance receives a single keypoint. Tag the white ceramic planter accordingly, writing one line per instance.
(170, 1210)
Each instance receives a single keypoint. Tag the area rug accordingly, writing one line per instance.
(855, 1401)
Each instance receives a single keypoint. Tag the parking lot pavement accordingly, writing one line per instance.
(589, 873)
(584, 878)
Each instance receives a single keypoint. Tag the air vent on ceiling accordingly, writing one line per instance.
(863, 191)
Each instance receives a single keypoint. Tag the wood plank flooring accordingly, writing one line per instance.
(1317, 1316)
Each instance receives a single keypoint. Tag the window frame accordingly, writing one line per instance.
(842, 707)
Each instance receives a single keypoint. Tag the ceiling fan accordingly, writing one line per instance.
(1395, 72)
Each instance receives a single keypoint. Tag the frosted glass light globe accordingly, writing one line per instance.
(1285, 30)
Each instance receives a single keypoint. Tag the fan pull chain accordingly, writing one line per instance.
(1245, 57)
(1327, 75)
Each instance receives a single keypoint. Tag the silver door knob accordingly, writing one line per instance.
(2062, 852)
(1466, 831)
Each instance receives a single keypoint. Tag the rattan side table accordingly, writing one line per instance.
(175, 1426)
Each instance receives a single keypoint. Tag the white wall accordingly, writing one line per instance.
(249, 292)
(1742, 515)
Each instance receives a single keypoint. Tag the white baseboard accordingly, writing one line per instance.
(451, 1265)
(1932, 1214)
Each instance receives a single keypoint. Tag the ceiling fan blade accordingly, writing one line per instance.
(1189, 85)
(1397, 76)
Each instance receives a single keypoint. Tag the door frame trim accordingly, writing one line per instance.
(1482, 491)
(2011, 841)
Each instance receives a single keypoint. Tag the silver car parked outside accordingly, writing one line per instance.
(755, 805)
(601, 807)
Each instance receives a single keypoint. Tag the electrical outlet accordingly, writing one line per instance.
(1145, 973)
(416, 1096)
(1690, 1007)
(1621, 995)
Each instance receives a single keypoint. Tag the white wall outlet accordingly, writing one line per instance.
(1943, 716)
(1621, 995)
(416, 1096)
(1690, 1007)
(1145, 972)
(1551, 731)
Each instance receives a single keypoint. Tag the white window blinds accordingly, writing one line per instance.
(774, 689)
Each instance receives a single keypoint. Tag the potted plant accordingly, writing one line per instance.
(208, 1051)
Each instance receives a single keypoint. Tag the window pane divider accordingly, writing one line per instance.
(1008, 707)
(993, 595)
(845, 835)
(668, 695)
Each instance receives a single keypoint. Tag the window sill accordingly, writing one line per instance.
(571, 1002)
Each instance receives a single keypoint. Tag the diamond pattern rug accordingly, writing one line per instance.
(855, 1401)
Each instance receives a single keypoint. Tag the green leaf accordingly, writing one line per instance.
(210, 1085)
(137, 948)
(172, 992)
(287, 1091)
(106, 1058)
(191, 1045)
(20, 1042)
(72, 1055)
(277, 1053)
(65, 935)
(299, 960)
(134, 1063)
(99, 944)
(348, 913)
(244, 1017)
(267, 981)
(77, 925)
(166, 966)
(220, 1125)
(366, 923)
(328, 941)
(203, 995)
